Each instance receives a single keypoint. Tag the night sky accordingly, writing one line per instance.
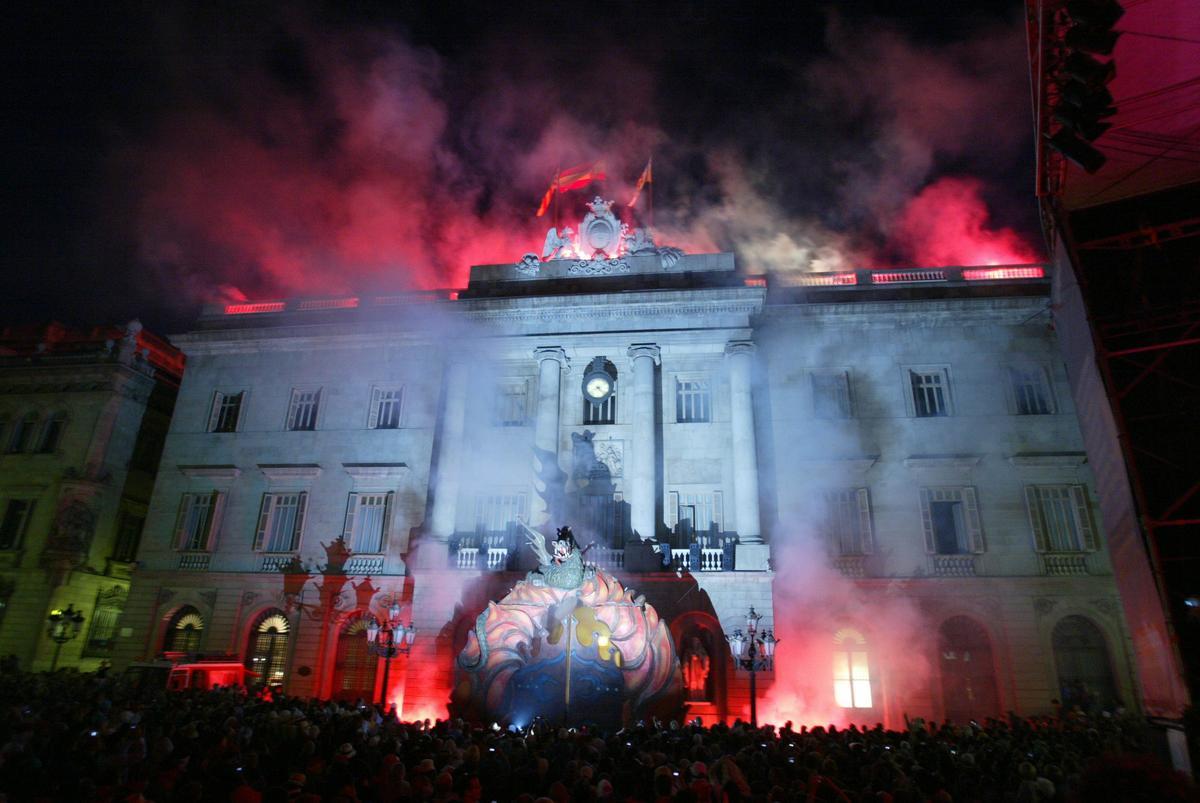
(163, 154)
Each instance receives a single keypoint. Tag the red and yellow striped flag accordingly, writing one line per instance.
(647, 177)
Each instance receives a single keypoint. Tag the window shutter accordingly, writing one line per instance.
(298, 530)
(387, 521)
(264, 515)
(316, 407)
(293, 410)
(672, 510)
(216, 508)
(214, 415)
(867, 541)
(927, 520)
(181, 520)
(348, 525)
(719, 511)
(974, 527)
(1083, 513)
(373, 415)
(1033, 503)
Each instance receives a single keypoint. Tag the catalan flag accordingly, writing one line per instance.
(647, 177)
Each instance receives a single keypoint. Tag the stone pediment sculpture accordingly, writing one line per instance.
(600, 231)
(557, 243)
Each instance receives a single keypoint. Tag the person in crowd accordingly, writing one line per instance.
(81, 738)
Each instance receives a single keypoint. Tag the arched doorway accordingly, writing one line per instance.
(184, 631)
(267, 650)
(354, 665)
(968, 678)
(1085, 676)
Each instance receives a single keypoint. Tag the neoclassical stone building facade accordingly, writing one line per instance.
(904, 437)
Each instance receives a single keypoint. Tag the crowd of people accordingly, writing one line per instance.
(79, 737)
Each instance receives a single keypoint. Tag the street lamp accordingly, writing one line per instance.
(63, 625)
(387, 639)
(753, 651)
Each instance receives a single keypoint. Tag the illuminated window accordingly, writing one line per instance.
(930, 392)
(226, 412)
(367, 518)
(22, 434)
(386, 404)
(950, 517)
(17, 514)
(280, 522)
(847, 521)
(497, 514)
(1030, 391)
(267, 653)
(302, 414)
(197, 521)
(511, 403)
(184, 631)
(693, 401)
(851, 674)
(52, 432)
(1060, 517)
(831, 394)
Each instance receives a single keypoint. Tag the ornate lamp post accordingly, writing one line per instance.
(63, 626)
(753, 651)
(387, 639)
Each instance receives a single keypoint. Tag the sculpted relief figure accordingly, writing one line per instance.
(696, 665)
(557, 243)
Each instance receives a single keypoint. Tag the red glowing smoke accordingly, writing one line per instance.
(947, 224)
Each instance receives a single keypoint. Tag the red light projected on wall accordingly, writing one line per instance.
(756, 281)
(993, 274)
(254, 308)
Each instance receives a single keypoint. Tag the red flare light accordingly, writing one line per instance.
(993, 274)
(254, 308)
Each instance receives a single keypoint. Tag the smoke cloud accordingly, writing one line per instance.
(355, 160)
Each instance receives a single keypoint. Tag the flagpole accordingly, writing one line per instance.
(557, 192)
(650, 194)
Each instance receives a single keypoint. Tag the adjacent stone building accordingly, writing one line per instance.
(712, 433)
(83, 417)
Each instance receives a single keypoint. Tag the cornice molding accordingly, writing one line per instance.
(1048, 459)
(289, 471)
(371, 471)
(954, 462)
(214, 472)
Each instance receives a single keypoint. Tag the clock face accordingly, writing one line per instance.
(597, 387)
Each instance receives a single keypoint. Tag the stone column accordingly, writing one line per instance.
(640, 482)
(454, 415)
(751, 552)
(551, 362)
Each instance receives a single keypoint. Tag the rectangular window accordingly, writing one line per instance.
(52, 432)
(226, 412)
(851, 679)
(198, 517)
(367, 521)
(603, 413)
(22, 434)
(848, 521)
(129, 536)
(831, 394)
(1030, 391)
(1060, 517)
(693, 401)
(280, 522)
(691, 514)
(605, 516)
(386, 404)
(17, 514)
(510, 406)
(302, 414)
(951, 521)
(498, 513)
(102, 631)
(930, 393)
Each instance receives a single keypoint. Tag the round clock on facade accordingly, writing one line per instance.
(597, 381)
